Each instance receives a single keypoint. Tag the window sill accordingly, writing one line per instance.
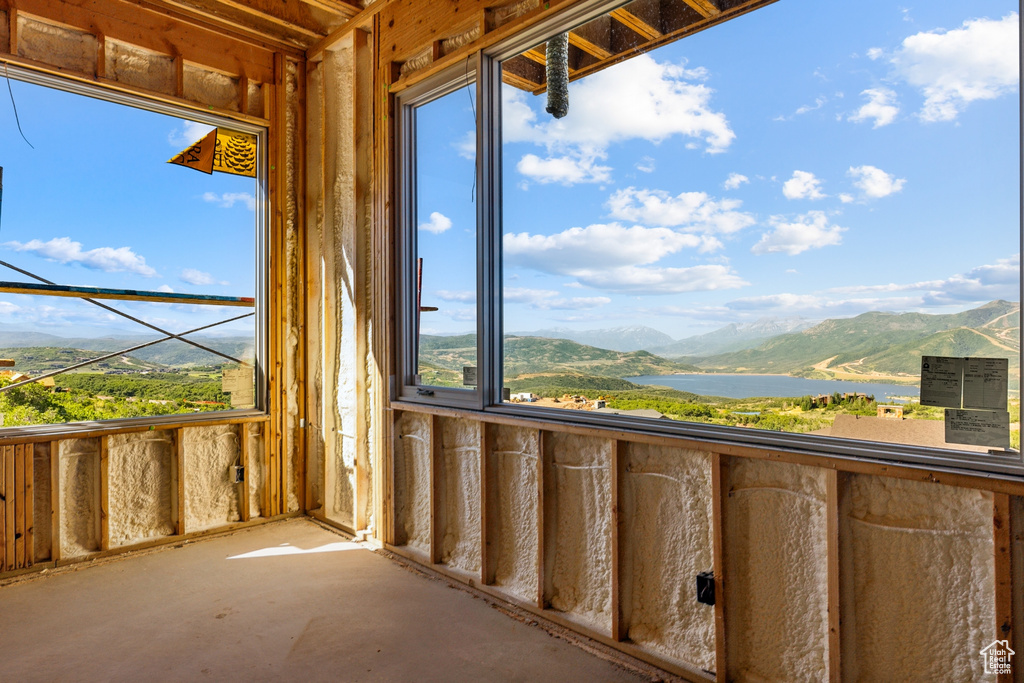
(84, 430)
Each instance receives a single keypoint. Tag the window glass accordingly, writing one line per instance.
(445, 278)
(766, 224)
(89, 200)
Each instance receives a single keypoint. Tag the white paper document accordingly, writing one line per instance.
(941, 381)
(986, 381)
(978, 427)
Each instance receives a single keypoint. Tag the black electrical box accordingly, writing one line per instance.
(239, 473)
(706, 588)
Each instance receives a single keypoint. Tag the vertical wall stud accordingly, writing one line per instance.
(486, 503)
(719, 480)
(618, 466)
(19, 506)
(178, 481)
(834, 489)
(10, 493)
(3, 508)
(30, 504)
(55, 501)
(542, 521)
(104, 493)
(436, 504)
(243, 460)
(1002, 533)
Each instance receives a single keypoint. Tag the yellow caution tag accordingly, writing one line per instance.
(221, 150)
(200, 155)
(236, 153)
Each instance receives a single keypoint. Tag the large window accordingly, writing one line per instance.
(129, 286)
(761, 232)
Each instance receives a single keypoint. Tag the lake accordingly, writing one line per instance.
(747, 386)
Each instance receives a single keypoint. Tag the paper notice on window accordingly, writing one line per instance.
(468, 376)
(978, 427)
(941, 381)
(986, 381)
(239, 383)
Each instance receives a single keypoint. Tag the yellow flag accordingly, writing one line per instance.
(235, 153)
(200, 155)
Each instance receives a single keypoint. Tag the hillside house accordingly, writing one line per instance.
(832, 560)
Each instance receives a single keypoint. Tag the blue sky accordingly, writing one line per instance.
(95, 204)
(810, 159)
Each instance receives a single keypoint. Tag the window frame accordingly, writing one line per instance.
(261, 263)
(489, 295)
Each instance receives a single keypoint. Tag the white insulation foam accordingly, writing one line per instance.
(776, 572)
(209, 87)
(580, 573)
(666, 504)
(139, 67)
(140, 477)
(918, 581)
(79, 496)
(211, 496)
(515, 456)
(460, 454)
(412, 481)
(60, 46)
(254, 470)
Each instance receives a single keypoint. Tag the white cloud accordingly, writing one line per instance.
(547, 299)
(166, 289)
(107, 259)
(198, 277)
(881, 107)
(229, 199)
(595, 246)
(640, 98)
(819, 102)
(462, 296)
(187, 134)
(999, 280)
(692, 211)
(437, 224)
(802, 185)
(875, 53)
(810, 231)
(978, 61)
(646, 165)
(639, 280)
(735, 180)
(874, 182)
(7, 308)
(845, 198)
(567, 170)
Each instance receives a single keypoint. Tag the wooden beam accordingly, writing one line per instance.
(517, 81)
(590, 48)
(834, 483)
(265, 489)
(486, 502)
(104, 493)
(356, 22)
(243, 460)
(536, 55)
(12, 26)
(617, 474)
(635, 24)
(6, 534)
(706, 8)
(6, 363)
(719, 482)
(178, 482)
(19, 506)
(542, 521)
(55, 501)
(30, 504)
(1002, 535)
(435, 476)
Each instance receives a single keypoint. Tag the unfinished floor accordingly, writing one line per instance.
(284, 601)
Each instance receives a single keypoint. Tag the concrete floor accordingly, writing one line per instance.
(289, 601)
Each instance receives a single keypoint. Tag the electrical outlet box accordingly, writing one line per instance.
(706, 588)
(238, 473)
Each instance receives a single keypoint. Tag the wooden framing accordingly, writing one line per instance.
(105, 493)
(17, 516)
(243, 460)
(1002, 535)
(436, 488)
(719, 484)
(834, 482)
(620, 625)
(178, 482)
(488, 505)
(55, 533)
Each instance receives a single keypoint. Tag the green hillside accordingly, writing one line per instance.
(37, 360)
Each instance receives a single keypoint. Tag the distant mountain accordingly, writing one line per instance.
(172, 353)
(732, 337)
(531, 356)
(881, 343)
(633, 338)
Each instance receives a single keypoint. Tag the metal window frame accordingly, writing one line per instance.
(261, 236)
(489, 152)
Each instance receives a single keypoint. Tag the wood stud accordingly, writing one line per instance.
(719, 484)
(1002, 534)
(835, 489)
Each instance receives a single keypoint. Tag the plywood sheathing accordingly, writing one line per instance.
(211, 496)
(515, 458)
(578, 519)
(138, 67)
(776, 597)
(918, 581)
(140, 492)
(42, 501)
(412, 481)
(665, 499)
(460, 491)
(79, 497)
(60, 46)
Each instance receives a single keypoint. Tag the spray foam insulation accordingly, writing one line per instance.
(460, 492)
(139, 67)
(211, 496)
(58, 46)
(515, 457)
(139, 468)
(209, 87)
(293, 281)
(667, 541)
(578, 543)
(412, 481)
(79, 496)
(918, 580)
(776, 572)
(41, 530)
(254, 469)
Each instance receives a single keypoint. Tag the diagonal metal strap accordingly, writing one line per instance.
(118, 353)
(171, 335)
